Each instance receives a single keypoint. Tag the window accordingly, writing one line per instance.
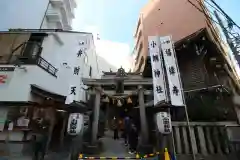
(90, 71)
(33, 46)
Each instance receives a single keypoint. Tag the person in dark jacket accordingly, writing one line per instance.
(40, 140)
(126, 129)
(115, 128)
(133, 139)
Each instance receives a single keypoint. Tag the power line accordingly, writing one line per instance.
(207, 16)
(225, 14)
(225, 31)
(213, 6)
(219, 10)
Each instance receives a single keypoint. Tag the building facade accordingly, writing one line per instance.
(57, 50)
(158, 18)
(34, 14)
(40, 76)
(208, 78)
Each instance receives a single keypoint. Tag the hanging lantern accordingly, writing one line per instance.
(119, 104)
(107, 99)
(129, 100)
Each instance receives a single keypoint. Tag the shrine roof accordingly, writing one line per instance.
(194, 36)
(114, 73)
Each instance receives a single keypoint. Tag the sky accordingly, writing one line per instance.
(115, 22)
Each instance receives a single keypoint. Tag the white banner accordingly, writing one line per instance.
(172, 70)
(164, 122)
(75, 83)
(159, 87)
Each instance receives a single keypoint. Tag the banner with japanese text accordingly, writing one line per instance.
(172, 71)
(159, 86)
(75, 86)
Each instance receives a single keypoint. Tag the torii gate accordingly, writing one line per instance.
(128, 80)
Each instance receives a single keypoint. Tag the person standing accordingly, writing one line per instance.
(126, 129)
(40, 140)
(115, 129)
(133, 139)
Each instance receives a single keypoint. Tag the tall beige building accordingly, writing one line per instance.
(178, 18)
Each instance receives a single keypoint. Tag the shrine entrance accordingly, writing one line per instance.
(120, 94)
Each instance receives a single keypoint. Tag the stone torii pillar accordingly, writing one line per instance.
(144, 146)
(96, 111)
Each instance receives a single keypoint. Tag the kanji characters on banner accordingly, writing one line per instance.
(159, 87)
(164, 122)
(75, 85)
(172, 71)
(75, 123)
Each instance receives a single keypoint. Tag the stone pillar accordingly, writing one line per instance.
(178, 139)
(216, 140)
(193, 141)
(96, 111)
(143, 119)
(185, 140)
(144, 146)
(224, 137)
(202, 140)
(209, 140)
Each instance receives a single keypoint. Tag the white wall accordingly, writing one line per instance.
(19, 87)
(56, 54)
(22, 13)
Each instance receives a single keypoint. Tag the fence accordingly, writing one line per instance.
(206, 140)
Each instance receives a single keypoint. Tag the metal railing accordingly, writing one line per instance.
(28, 53)
(41, 62)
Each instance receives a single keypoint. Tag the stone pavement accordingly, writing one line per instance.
(113, 148)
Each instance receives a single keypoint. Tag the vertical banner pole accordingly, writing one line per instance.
(184, 101)
(168, 100)
(174, 82)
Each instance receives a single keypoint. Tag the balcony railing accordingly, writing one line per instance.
(28, 53)
(47, 66)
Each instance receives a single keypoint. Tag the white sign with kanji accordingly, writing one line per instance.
(159, 87)
(172, 71)
(75, 123)
(164, 124)
(77, 67)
